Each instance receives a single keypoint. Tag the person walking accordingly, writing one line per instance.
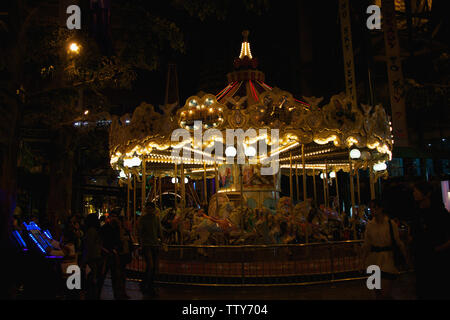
(149, 233)
(111, 245)
(124, 254)
(92, 257)
(431, 243)
(378, 248)
(74, 227)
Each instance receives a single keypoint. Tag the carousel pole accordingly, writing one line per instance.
(241, 178)
(275, 186)
(183, 195)
(291, 190)
(304, 173)
(324, 189)
(176, 185)
(134, 201)
(296, 181)
(314, 185)
(183, 187)
(144, 179)
(160, 195)
(352, 196)
(326, 185)
(155, 189)
(337, 194)
(128, 197)
(216, 185)
(205, 190)
(358, 189)
(352, 186)
(372, 184)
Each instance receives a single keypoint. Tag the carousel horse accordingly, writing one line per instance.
(302, 209)
(284, 206)
(168, 231)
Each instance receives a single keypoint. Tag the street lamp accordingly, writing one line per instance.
(74, 47)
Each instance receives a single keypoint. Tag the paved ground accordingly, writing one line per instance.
(349, 290)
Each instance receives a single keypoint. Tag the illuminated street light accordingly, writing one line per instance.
(74, 48)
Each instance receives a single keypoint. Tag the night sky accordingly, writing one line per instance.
(212, 45)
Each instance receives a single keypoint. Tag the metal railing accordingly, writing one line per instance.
(253, 265)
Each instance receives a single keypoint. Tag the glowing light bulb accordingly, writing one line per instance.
(250, 151)
(74, 47)
(380, 166)
(209, 101)
(230, 151)
(355, 154)
(133, 162)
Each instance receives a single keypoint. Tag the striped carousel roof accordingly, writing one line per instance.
(245, 80)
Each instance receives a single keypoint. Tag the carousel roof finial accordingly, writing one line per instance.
(245, 59)
(245, 47)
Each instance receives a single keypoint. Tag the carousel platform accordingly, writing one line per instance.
(253, 265)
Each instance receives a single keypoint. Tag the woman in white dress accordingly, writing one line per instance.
(378, 250)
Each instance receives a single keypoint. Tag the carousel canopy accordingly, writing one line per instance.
(325, 131)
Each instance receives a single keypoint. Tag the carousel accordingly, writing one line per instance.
(220, 190)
